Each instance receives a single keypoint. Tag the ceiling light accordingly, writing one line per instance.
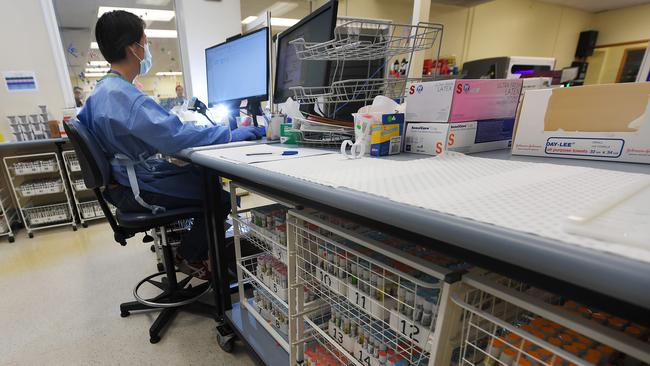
(249, 19)
(94, 45)
(94, 74)
(283, 22)
(98, 63)
(98, 69)
(169, 73)
(154, 15)
(161, 33)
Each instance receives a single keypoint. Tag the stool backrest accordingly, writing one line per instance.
(96, 170)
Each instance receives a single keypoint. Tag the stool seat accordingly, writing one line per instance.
(146, 220)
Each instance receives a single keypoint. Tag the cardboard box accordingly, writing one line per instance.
(385, 140)
(596, 122)
(465, 137)
(462, 100)
(536, 83)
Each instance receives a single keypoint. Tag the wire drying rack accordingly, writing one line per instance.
(363, 44)
(351, 41)
(319, 134)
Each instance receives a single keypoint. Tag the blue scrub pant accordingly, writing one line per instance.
(194, 243)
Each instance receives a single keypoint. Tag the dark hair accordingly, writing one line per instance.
(77, 88)
(115, 30)
(178, 86)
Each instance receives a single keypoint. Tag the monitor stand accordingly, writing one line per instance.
(254, 109)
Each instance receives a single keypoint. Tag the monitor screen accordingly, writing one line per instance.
(290, 71)
(238, 69)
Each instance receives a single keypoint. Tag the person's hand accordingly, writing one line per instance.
(245, 133)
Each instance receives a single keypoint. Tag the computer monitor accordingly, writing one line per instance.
(238, 69)
(290, 71)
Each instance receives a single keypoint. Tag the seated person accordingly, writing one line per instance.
(131, 128)
(180, 99)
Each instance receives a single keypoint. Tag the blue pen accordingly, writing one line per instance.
(289, 152)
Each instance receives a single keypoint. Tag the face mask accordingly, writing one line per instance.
(145, 63)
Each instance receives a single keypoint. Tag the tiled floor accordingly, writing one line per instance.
(59, 305)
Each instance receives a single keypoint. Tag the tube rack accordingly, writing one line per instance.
(506, 322)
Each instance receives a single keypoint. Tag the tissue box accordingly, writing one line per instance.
(465, 137)
(385, 140)
(462, 100)
(596, 122)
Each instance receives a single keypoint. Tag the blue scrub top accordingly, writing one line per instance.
(124, 120)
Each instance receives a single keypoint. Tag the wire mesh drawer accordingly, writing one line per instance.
(35, 167)
(91, 209)
(387, 299)
(3, 225)
(510, 323)
(73, 163)
(41, 187)
(47, 214)
(265, 227)
(79, 185)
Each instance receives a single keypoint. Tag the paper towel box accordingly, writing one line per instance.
(462, 100)
(596, 122)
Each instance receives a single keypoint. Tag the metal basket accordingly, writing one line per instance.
(510, 323)
(370, 40)
(40, 215)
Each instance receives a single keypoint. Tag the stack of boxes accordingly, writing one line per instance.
(466, 116)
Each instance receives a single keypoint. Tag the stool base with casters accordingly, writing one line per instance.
(175, 296)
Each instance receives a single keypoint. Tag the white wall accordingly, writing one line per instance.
(27, 45)
(202, 24)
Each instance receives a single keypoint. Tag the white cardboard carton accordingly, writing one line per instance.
(597, 122)
(465, 137)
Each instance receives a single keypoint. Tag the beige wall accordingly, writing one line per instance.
(31, 51)
(623, 25)
(526, 28)
(606, 62)
(399, 11)
(497, 28)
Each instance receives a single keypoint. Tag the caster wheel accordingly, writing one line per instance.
(152, 248)
(74, 228)
(227, 344)
(124, 314)
(84, 225)
(161, 267)
(154, 340)
(12, 239)
(31, 235)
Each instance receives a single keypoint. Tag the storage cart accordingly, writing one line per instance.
(506, 322)
(9, 215)
(38, 184)
(85, 200)
(333, 287)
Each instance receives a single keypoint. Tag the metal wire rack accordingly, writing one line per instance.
(35, 167)
(510, 323)
(370, 40)
(49, 214)
(353, 90)
(320, 351)
(320, 134)
(41, 187)
(79, 185)
(9, 214)
(46, 210)
(268, 240)
(385, 299)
